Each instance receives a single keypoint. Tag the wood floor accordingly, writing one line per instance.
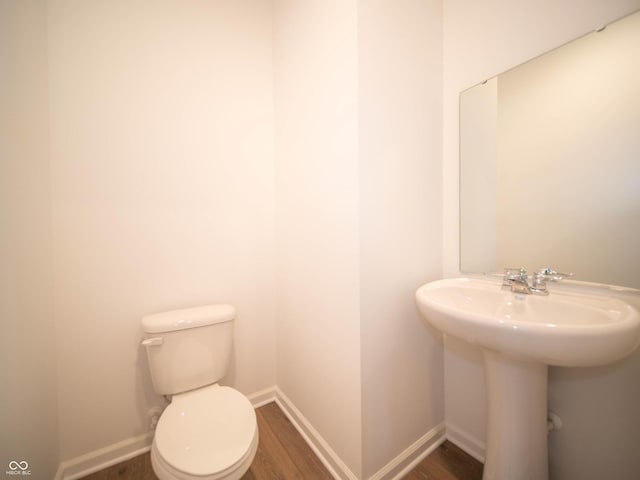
(283, 454)
(447, 462)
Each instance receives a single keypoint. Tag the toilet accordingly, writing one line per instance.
(208, 431)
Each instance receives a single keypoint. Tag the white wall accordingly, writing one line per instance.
(358, 206)
(315, 45)
(28, 408)
(480, 41)
(162, 171)
(399, 93)
(163, 194)
(164, 186)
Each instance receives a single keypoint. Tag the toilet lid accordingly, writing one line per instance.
(206, 431)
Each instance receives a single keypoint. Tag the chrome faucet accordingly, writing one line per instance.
(517, 280)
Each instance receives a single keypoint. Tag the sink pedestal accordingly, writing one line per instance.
(517, 419)
(569, 328)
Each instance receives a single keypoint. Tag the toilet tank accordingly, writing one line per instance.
(188, 348)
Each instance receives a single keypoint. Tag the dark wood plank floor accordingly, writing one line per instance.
(283, 454)
(447, 462)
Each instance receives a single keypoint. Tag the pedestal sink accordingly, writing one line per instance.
(521, 335)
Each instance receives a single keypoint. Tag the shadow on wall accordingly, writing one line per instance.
(600, 409)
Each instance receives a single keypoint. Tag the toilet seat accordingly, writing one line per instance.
(205, 434)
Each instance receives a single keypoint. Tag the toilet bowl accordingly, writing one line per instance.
(206, 434)
(208, 431)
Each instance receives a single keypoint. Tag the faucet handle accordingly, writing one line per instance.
(549, 275)
(514, 276)
(515, 273)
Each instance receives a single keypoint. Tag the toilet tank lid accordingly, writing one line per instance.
(188, 318)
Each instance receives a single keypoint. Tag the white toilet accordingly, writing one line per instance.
(208, 431)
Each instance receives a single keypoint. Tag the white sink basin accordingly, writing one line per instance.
(520, 336)
(563, 329)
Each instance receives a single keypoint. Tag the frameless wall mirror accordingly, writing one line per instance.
(550, 162)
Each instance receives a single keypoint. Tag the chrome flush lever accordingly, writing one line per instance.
(152, 342)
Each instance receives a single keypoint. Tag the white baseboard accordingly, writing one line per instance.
(470, 444)
(394, 470)
(105, 457)
(398, 467)
(412, 455)
(119, 452)
(258, 399)
(330, 459)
